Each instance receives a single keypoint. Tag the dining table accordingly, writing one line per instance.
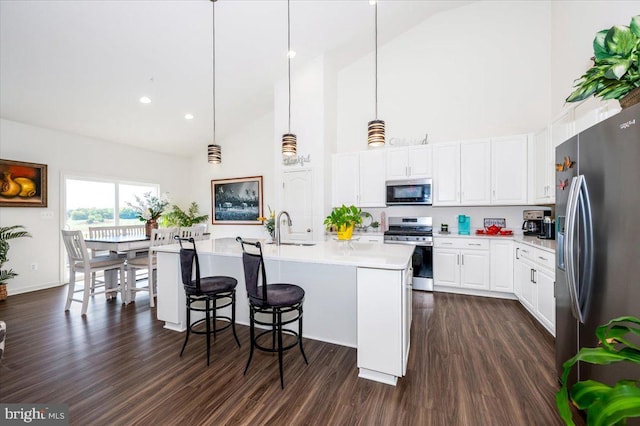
(129, 244)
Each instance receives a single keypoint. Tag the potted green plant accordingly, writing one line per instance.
(148, 209)
(8, 233)
(343, 219)
(615, 73)
(179, 217)
(605, 405)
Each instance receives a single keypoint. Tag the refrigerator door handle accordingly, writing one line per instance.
(572, 207)
(583, 287)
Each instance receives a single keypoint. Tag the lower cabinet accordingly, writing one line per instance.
(501, 266)
(461, 262)
(384, 323)
(363, 238)
(534, 277)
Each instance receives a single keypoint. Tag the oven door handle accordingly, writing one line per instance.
(412, 243)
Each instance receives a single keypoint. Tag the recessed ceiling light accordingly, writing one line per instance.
(145, 100)
(188, 116)
(372, 2)
(291, 53)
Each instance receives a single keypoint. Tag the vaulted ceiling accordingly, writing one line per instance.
(81, 66)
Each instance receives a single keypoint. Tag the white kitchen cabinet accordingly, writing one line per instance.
(544, 171)
(534, 278)
(509, 172)
(546, 307)
(356, 179)
(446, 267)
(345, 178)
(446, 174)
(523, 276)
(481, 172)
(562, 128)
(475, 172)
(364, 238)
(371, 179)
(412, 162)
(501, 265)
(383, 315)
(461, 262)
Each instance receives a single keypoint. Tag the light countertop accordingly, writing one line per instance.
(548, 245)
(350, 253)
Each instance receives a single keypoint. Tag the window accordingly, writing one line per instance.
(96, 202)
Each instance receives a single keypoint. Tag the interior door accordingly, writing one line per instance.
(297, 200)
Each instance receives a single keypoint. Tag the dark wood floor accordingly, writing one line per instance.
(473, 361)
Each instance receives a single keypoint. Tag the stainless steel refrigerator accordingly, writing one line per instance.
(598, 238)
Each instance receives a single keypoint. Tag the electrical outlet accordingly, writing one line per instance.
(34, 266)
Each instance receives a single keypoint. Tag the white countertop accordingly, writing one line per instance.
(549, 245)
(473, 235)
(351, 253)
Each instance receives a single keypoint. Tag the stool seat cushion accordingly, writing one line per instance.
(211, 285)
(281, 295)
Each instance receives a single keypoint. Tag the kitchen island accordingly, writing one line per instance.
(357, 294)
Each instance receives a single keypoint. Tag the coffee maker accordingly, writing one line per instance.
(533, 221)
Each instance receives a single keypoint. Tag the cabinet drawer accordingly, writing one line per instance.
(526, 252)
(545, 259)
(462, 243)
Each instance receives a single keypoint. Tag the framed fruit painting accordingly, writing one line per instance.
(23, 184)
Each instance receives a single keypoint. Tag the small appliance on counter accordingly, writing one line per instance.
(548, 229)
(464, 225)
(533, 220)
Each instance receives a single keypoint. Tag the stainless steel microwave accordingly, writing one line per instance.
(409, 192)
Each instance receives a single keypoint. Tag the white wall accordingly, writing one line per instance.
(475, 71)
(66, 153)
(312, 120)
(247, 152)
(574, 26)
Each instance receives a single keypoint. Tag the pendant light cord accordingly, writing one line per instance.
(376, 58)
(214, 69)
(289, 57)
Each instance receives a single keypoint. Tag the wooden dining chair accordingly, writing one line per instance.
(159, 237)
(81, 261)
(196, 232)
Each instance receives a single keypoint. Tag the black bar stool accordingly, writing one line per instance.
(208, 290)
(275, 300)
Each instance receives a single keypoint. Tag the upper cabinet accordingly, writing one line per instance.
(345, 176)
(475, 174)
(356, 179)
(481, 172)
(509, 174)
(446, 174)
(372, 180)
(543, 168)
(412, 162)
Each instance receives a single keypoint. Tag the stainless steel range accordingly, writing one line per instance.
(417, 231)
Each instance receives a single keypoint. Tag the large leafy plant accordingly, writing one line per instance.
(344, 216)
(616, 64)
(605, 405)
(179, 217)
(9, 233)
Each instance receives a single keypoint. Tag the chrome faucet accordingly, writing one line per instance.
(277, 232)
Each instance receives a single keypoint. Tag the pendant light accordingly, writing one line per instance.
(375, 134)
(214, 151)
(289, 140)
